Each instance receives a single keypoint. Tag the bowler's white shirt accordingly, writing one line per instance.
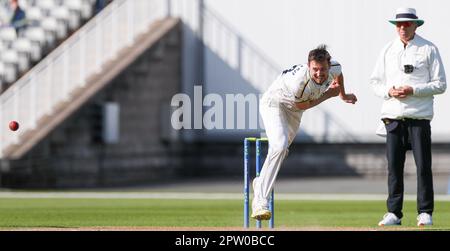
(427, 78)
(296, 85)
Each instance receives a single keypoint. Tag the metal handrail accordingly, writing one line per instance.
(67, 68)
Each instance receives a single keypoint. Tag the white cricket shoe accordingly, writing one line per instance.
(261, 213)
(390, 219)
(424, 219)
(260, 210)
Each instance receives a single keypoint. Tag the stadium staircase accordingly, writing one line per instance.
(47, 24)
(77, 69)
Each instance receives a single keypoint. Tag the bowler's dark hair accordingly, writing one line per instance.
(320, 54)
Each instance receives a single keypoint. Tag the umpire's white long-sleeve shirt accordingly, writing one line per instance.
(427, 78)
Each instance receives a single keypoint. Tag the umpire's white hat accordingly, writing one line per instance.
(406, 15)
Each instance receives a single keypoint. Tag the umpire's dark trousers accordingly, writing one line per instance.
(404, 135)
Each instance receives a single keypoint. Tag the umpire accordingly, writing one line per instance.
(407, 75)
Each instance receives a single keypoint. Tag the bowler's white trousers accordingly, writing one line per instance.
(281, 126)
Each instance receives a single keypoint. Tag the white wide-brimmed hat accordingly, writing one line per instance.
(406, 15)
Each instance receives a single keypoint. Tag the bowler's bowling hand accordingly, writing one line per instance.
(349, 98)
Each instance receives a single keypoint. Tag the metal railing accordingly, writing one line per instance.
(239, 54)
(67, 68)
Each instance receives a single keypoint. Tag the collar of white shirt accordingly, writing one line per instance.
(417, 40)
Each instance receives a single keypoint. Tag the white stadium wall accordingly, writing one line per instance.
(245, 43)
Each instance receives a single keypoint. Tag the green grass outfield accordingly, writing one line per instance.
(228, 213)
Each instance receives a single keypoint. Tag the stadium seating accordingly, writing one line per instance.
(49, 22)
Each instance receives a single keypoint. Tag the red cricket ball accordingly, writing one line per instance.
(13, 125)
